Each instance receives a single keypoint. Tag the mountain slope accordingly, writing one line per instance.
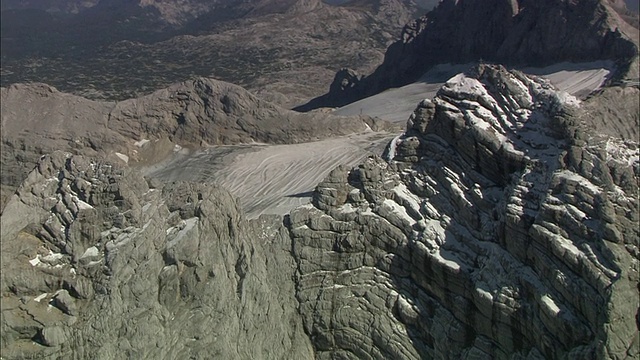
(499, 226)
(523, 33)
(191, 114)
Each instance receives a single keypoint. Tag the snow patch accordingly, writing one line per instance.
(347, 208)
(184, 227)
(464, 85)
(619, 152)
(35, 261)
(392, 148)
(45, 261)
(141, 143)
(40, 297)
(123, 157)
(90, 252)
(568, 99)
(579, 180)
(52, 256)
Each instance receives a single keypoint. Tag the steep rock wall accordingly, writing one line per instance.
(98, 263)
(501, 228)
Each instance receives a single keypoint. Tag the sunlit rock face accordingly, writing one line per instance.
(101, 263)
(500, 227)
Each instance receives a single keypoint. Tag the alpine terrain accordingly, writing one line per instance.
(475, 196)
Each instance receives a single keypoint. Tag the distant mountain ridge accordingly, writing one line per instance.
(121, 49)
(195, 113)
(523, 32)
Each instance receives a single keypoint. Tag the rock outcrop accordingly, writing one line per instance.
(509, 32)
(99, 263)
(499, 225)
(194, 113)
(500, 228)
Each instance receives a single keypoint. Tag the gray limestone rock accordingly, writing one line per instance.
(65, 302)
(490, 233)
(124, 269)
(53, 336)
(499, 225)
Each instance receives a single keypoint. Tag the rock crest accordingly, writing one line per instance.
(497, 226)
(485, 235)
(513, 32)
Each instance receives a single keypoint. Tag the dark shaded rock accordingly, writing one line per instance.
(509, 32)
(485, 236)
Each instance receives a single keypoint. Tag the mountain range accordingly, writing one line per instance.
(119, 49)
(500, 222)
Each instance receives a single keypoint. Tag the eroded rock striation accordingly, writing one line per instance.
(498, 225)
(498, 229)
(99, 263)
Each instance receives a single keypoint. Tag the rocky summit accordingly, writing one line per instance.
(496, 226)
(508, 32)
(495, 229)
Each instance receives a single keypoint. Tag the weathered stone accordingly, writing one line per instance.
(148, 285)
(485, 252)
(65, 302)
(53, 336)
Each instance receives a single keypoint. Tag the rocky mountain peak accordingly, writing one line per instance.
(507, 32)
(495, 227)
(490, 206)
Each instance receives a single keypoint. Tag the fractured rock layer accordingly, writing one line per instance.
(498, 230)
(98, 263)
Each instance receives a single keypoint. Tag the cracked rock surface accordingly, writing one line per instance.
(498, 225)
(99, 263)
(497, 229)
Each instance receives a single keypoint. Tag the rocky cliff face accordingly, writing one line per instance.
(522, 32)
(499, 228)
(99, 263)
